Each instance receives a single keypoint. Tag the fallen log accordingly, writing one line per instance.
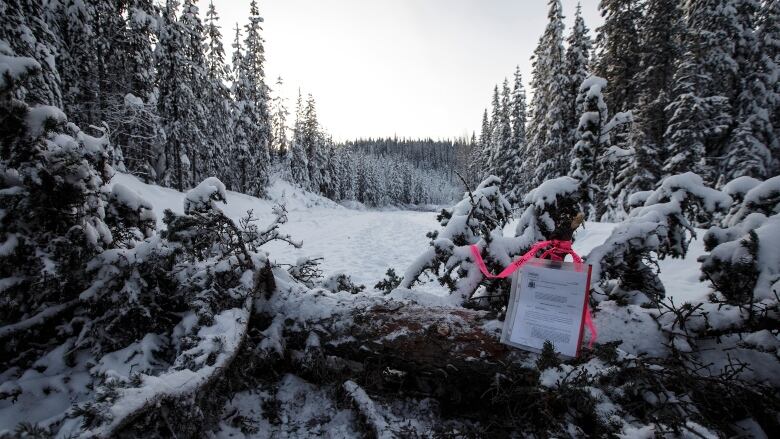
(401, 348)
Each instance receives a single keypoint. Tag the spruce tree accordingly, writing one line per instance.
(662, 31)
(704, 81)
(592, 142)
(173, 92)
(491, 146)
(235, 149)
(53, 203)
(749, 148)
(503, 153)
(199, 150)
(27, 34)
(546, 132)
(689, 121)
(513, 179)
(579, 46)
(312, 141)
(478, 159)
(257, 100)
(618, 51)
(137, 48)
(133, 118)
(73, 22)
(280, 145)
(518, 112)
(108, 80)
(217, 100)
(299, 161)
(768, 35)
(182, 68)
(250, 110)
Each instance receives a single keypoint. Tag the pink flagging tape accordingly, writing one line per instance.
(557, 251)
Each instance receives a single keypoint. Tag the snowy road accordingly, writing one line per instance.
(365, 243)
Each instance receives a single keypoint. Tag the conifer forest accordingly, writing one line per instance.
(187, 251)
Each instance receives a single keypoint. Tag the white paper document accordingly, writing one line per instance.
(547, 302)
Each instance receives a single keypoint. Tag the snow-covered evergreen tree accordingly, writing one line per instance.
(494, 137)
(689, 121)
(594, 160)
(618, 51)
(27, 34)
(593, 140)
(53, 210)
(518, 112)
(742, 263)
(76, 59)
(750, 145)
(768, 35)
(299, 159)
(546, 131)
(513, 165)
(577, 58)
(704, 82)
(200, 151)
(137, 48)
(251, 120)
(312, 141)
(257, 94)
(478, 160)
(217, 101)
(180, 67)
(478, 219)
(662, 226)
(662, 30)
(132, 117)
(503, 148)
(280, 144)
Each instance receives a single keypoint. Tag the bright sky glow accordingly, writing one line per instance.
(412, 68)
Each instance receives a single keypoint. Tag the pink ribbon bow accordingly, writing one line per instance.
(557, 251)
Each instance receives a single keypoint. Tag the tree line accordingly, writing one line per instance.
(154, 79)
(694, 83)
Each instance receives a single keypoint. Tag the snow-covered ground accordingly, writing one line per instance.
(365, 243)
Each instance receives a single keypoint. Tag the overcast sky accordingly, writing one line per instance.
(415, 68)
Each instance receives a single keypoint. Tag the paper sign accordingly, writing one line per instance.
(547, 302)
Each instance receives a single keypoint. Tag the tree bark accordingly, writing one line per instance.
(443, 352)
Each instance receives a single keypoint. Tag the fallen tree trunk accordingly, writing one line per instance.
(441, 352)
(378, 350)
(401, 348)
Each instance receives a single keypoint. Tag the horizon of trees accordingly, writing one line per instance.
(693, 87)
(155, 80)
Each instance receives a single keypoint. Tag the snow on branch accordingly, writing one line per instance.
(662, 226)
(365, 406)
(216, 348)
(744, 263)
(478, 219)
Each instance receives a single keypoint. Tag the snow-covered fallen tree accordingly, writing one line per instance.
(479, 219)
(661, 227)
(727, 345)
(744, 262)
